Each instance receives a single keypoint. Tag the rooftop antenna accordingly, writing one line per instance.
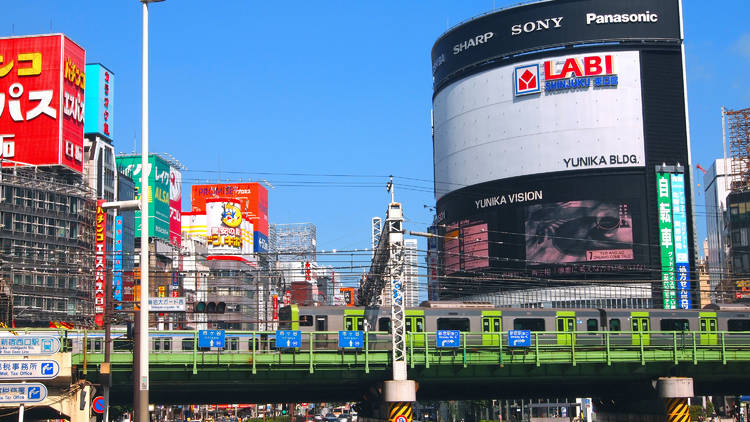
(134, 142)
(390, 189)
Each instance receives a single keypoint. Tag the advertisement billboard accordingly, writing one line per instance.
(100, 93)
(666, 244)
(546, 225)
(100, 264)
(495, 37)
(253, 199)
(680, 240)
(158, 195)
(224, 228)
(42, 82)
(573, 122)
(175, 206)
(117, 287)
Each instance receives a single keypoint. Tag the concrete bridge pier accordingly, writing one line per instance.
(676, 391)
(399, 395)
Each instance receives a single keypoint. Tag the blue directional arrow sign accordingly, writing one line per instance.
(448, 338)
(211, 338)
(30, 392)
(350, 339)
(288, 338)
(519, 338)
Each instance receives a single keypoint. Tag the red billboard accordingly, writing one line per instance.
(42, 79)
(253, 199)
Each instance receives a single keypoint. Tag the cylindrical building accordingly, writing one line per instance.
(561, 154)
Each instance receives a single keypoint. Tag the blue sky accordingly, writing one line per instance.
(326, 99)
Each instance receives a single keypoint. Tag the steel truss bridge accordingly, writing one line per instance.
(484, 365)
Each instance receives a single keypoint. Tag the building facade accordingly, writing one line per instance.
(549, 147)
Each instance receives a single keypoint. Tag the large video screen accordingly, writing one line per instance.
(566, 225)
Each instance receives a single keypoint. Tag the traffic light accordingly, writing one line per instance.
(210, 308)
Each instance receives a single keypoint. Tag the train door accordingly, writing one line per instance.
(415, 326)
(640, 326)
(708, 327)
(566, 326)
(321, 324)
(354, 320)
(492, 325)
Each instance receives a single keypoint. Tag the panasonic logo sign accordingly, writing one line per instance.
(537, 25)
(647, 17)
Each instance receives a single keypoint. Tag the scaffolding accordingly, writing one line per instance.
(293, 242)
(47, 227)
(737, 133)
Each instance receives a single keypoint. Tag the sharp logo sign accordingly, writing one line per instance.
(567, 74)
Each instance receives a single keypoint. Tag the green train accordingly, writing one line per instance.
(550, 326)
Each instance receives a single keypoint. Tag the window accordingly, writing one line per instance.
(674, 325)
(592, 324)
(305, 321)
(533, 324)
(614, 324)
(738, 325)
(460, 324)
(187, 344)
(232, 343)
(384, 324)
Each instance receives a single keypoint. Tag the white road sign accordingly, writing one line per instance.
(30, 392)
(166, 304)
(29, 345)
(29, 369)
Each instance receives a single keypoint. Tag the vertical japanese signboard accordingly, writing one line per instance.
(158, 192)
(117, 262)
(42, 82)
(664, 202)
(100, 264)
(175, 206)
(100, 93)
(680, 238)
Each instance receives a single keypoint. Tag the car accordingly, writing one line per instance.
(330, 418)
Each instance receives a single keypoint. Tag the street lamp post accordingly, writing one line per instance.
(141, 406)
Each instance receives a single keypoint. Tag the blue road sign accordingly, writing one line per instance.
(29, 369)
(288, 338)
(211, 338)
(30, 392)
(519, 338)
(350, 339)
(448, 338)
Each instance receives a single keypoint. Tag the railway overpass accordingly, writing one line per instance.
(591, 364)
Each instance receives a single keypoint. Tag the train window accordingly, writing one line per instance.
(614, 324)
(187, 344)
(674, 325)
(384, 324)
(738, 325)
(232, 343)
(305, 321)
(460, 324)
(533, 324)
(122, 344)
(592, 324)
(156, 345)
(167, 344)
(419, 325)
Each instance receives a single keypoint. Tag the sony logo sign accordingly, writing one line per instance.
(537, 25)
